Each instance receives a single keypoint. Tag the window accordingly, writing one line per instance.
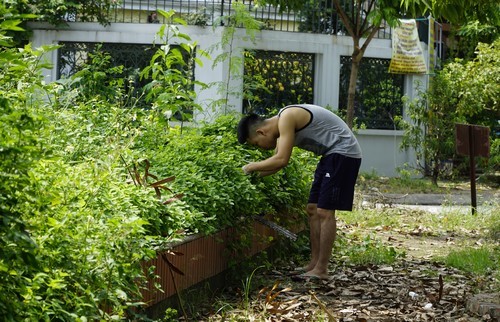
(378, 93)
(275, 79)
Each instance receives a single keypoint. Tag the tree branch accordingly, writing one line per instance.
(365, 21)
(358, 16)
(345, 19)
(370, 37)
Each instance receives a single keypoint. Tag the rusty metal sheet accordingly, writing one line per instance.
(478, 135)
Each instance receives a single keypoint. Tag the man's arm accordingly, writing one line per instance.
(280, 159)
(267, 173)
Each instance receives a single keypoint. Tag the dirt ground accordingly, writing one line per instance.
(414, 288)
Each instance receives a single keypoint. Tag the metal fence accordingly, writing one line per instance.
(378, 93)
(275, 79)
(72, 56)
(317, 16)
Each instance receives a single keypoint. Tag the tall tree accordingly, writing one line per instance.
(473, 21)
(59, 12)
(362, 20)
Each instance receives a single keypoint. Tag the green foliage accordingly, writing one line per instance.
(474, 33)
(170, 315)
(97, 79)
(463, 92)
(431, 132)
(20, 149)
(494, 161)
(207, 165)
(91, 231)
(73, 233)
(477, 84)
(171, 90)
(273, 80)
(74, 230)
(366, 251)
(240, 18)
(247, 288)
(382, 103)
(57, 12)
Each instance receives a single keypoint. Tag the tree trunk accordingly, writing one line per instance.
(351, 93)
(435, 173)
(358, 26)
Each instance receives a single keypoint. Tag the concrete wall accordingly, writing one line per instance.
(380, 147)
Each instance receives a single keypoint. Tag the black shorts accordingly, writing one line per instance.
(334, 181)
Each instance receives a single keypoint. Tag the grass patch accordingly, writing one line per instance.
(375, 254)
(476, 261)
(401, 184)
(365, 250)
(371, 217)
(486, 223)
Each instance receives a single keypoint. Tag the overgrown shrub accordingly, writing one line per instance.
(77, 215)
(20, 149)
(207, 164)
(462, 92)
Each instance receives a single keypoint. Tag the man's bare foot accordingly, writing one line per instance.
(310, 278)
(320, 275)
(309, 267)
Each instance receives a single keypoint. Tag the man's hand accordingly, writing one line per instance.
(248, 171)
(245, 169)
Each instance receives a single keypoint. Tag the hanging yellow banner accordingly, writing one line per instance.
(432, 50)
(407, 54)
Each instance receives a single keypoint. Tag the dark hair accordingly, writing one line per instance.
(247, 125)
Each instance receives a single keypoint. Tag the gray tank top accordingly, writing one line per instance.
(326, 133)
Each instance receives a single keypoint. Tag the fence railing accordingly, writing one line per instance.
(317, 16)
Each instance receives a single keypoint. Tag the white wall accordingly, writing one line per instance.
(380, 147)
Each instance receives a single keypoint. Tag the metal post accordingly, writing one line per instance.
(222, 12)
(472, 156)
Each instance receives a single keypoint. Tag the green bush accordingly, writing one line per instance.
(92, 231)
(20, 149)
(77, 215)
(207, 164)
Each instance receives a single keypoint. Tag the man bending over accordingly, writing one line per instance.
(316, 129)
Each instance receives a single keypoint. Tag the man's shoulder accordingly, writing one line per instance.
(293, 111)
(296, 115)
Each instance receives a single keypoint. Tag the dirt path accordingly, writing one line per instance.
(412, 289)
(415, 287)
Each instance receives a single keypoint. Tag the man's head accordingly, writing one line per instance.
(254, 130)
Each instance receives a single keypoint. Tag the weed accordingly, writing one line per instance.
(477, 261)
(365, 250)
(247, 287)
(170, 315)
(372, 251)
(372, 175)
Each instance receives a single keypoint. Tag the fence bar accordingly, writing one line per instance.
(321, 15)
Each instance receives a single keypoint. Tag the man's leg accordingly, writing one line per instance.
(323, 231)
(328, 233)
(314, 235)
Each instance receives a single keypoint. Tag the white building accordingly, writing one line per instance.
(381, 148)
